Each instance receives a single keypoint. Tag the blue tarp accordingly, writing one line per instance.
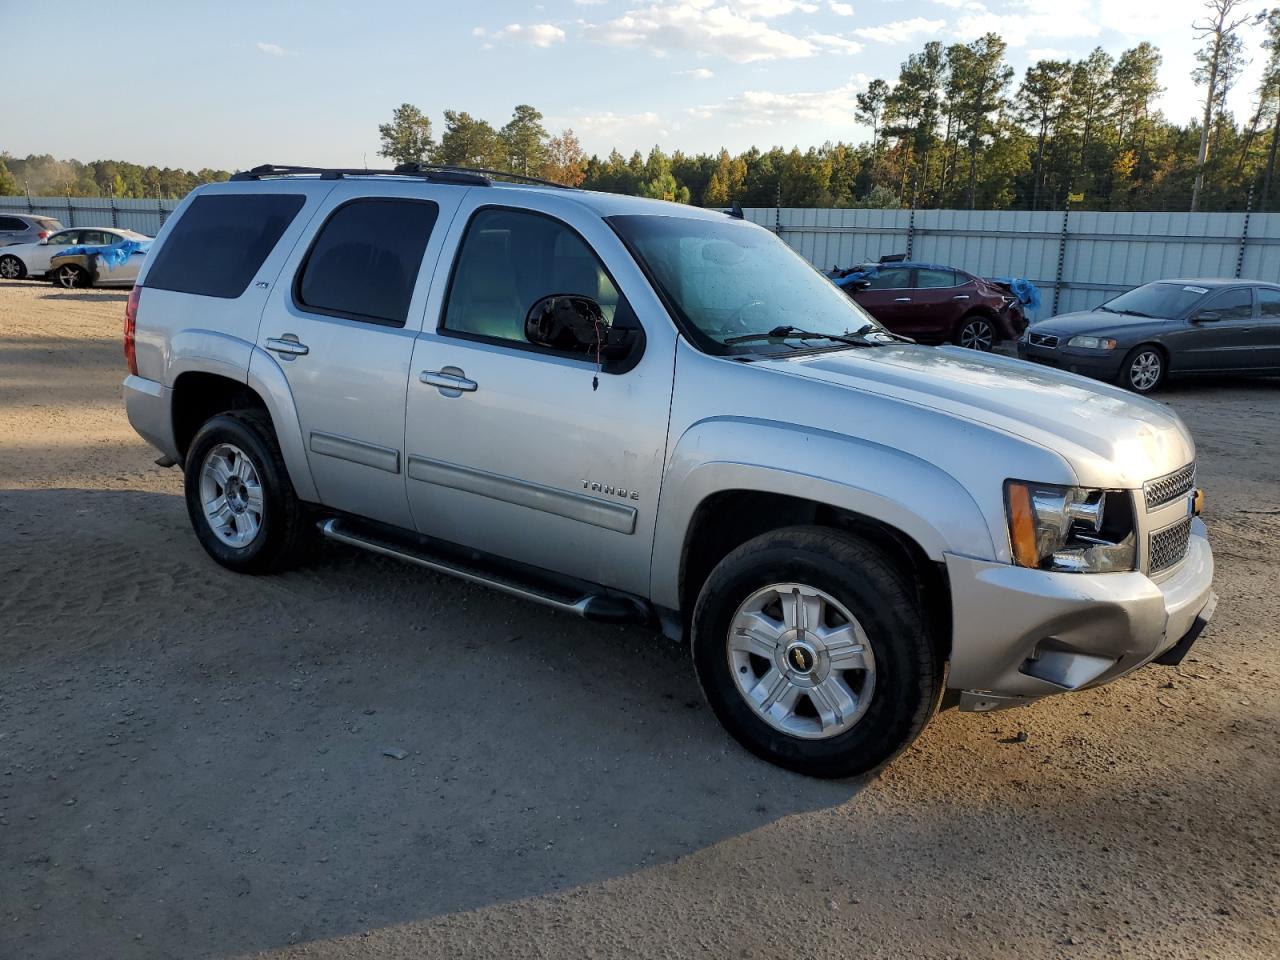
(1028, 293)
(111, 256)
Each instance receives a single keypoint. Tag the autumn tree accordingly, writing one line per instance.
(565, 163)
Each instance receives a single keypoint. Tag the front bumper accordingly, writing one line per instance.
(149, 406)
(1089, 363)
(1019, 635)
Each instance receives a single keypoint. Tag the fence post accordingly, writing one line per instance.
(1244, 233)
(1062, 254)
(911, 229)
(160, 207)
(31, 207)
(71, 214)
(115, 220)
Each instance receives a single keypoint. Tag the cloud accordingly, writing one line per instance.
(840, 9)
(534, 34)
(1031, 20)
(698, 73)
(901, 30)
(273, 49)
(589, 3)
(610, 124)
(835, 42)
(761, 108)
(735, 30)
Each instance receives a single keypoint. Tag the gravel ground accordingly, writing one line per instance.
(193, 764)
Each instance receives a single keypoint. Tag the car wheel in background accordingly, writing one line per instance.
(69, 276)
(239, 497)
(1143, 369)
(976, 332)
(811, 649)
(11, 268)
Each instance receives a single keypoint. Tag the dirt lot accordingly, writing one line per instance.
(191, 762)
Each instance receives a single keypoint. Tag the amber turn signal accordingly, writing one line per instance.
(1022, 526)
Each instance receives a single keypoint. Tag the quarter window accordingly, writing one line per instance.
(1269, 303)
(895, 279)
(936, 278)
(511, 259)
(365, 260)
(220, 242)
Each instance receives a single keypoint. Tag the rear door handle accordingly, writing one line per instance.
(961, 296)
(288, 346)
(901, 299)
(448, 380)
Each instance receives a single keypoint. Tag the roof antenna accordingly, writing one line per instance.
(735, 210)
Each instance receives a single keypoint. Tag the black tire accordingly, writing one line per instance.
(860, 576)
(976, 331)
(285, 526)
(70, 277)
(11, 268)
(1136, 369)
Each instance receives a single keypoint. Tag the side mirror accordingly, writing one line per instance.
(1206, 316)
(572, 323)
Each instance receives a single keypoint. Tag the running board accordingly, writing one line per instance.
(609, 608)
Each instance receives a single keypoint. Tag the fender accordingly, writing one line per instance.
(206, 351)
(907, 493)
(267, 380)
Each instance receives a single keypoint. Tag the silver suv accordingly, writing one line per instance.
(636, 411)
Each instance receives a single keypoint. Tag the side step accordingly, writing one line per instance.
(599, 605)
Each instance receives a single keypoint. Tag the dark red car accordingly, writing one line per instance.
(936, 304)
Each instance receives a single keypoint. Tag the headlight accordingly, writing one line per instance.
(1070, 529)
(1092, 343)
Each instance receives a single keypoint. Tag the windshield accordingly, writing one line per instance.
(1164, 300)
(730, 279)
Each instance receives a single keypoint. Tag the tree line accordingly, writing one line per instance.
(43, 176)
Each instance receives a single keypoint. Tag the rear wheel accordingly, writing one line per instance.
(811, 650)
(239, 497)
(1144, 369)
(69, 276)
(976, 332)
(11, 268)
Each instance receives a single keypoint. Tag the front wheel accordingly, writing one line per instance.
(239, 497)
(69, 277)
(811, 649)
(1143, 369)
(11, 268)
(976, 333)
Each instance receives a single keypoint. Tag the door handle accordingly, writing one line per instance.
(288, 346)
(448, 379)
(961, 296)
(901, 299)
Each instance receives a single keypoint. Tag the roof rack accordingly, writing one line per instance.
(436, 173)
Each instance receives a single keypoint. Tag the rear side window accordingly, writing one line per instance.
(365, 260)
(221, 241)
(936, 278)
(1269, 303)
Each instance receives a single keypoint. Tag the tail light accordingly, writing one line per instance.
(131, 328)
(42, 235)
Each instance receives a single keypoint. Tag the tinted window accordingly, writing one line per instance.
(937, 278)
(510, 260)
(1232, 305)
(12, 223)
(894, 279)
(64, 238)
(365, 260)
(220, 242)
(1269, 302)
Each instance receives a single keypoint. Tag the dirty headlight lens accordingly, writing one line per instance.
(1092, 343)
(1070, 529)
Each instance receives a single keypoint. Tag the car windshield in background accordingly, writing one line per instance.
(730, 280)
(1163, 300)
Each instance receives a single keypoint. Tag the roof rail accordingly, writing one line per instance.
(436, 173)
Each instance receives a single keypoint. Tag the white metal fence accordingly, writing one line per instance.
(1077, 259)
(144, 216)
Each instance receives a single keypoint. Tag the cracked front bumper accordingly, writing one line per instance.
(1019, 635)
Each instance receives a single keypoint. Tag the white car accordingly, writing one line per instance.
(21, 260)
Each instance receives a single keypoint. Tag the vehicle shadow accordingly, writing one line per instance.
(91, 295)
(203, 763)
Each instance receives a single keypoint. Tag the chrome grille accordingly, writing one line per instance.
(1043, 339)
(1168, 546)
(1170, 487)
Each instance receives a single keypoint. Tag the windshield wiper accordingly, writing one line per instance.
(855, 338)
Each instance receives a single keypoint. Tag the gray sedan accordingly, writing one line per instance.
(1170, 328)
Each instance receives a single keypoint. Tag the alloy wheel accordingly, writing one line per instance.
(977, 334)
(801, 661)
(1145, 370)
(10, 268)
(231, 492)
(68, 277)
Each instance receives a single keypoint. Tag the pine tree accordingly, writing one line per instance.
(407, 138)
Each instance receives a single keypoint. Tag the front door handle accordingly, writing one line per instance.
(961, 296)
(451, 381)
(288, 346)
(901, 299)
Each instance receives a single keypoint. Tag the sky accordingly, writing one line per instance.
(233, 84)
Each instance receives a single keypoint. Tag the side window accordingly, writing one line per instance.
(365, 260)
(65, 238)
(1232, 305)
(936, 278)
(893, 279)
(12, 223)
(221, 241)
(511, 259)
(1269, 303)
(97, 238)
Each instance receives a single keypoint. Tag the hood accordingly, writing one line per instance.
(1091, 321)
(1110, 438)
